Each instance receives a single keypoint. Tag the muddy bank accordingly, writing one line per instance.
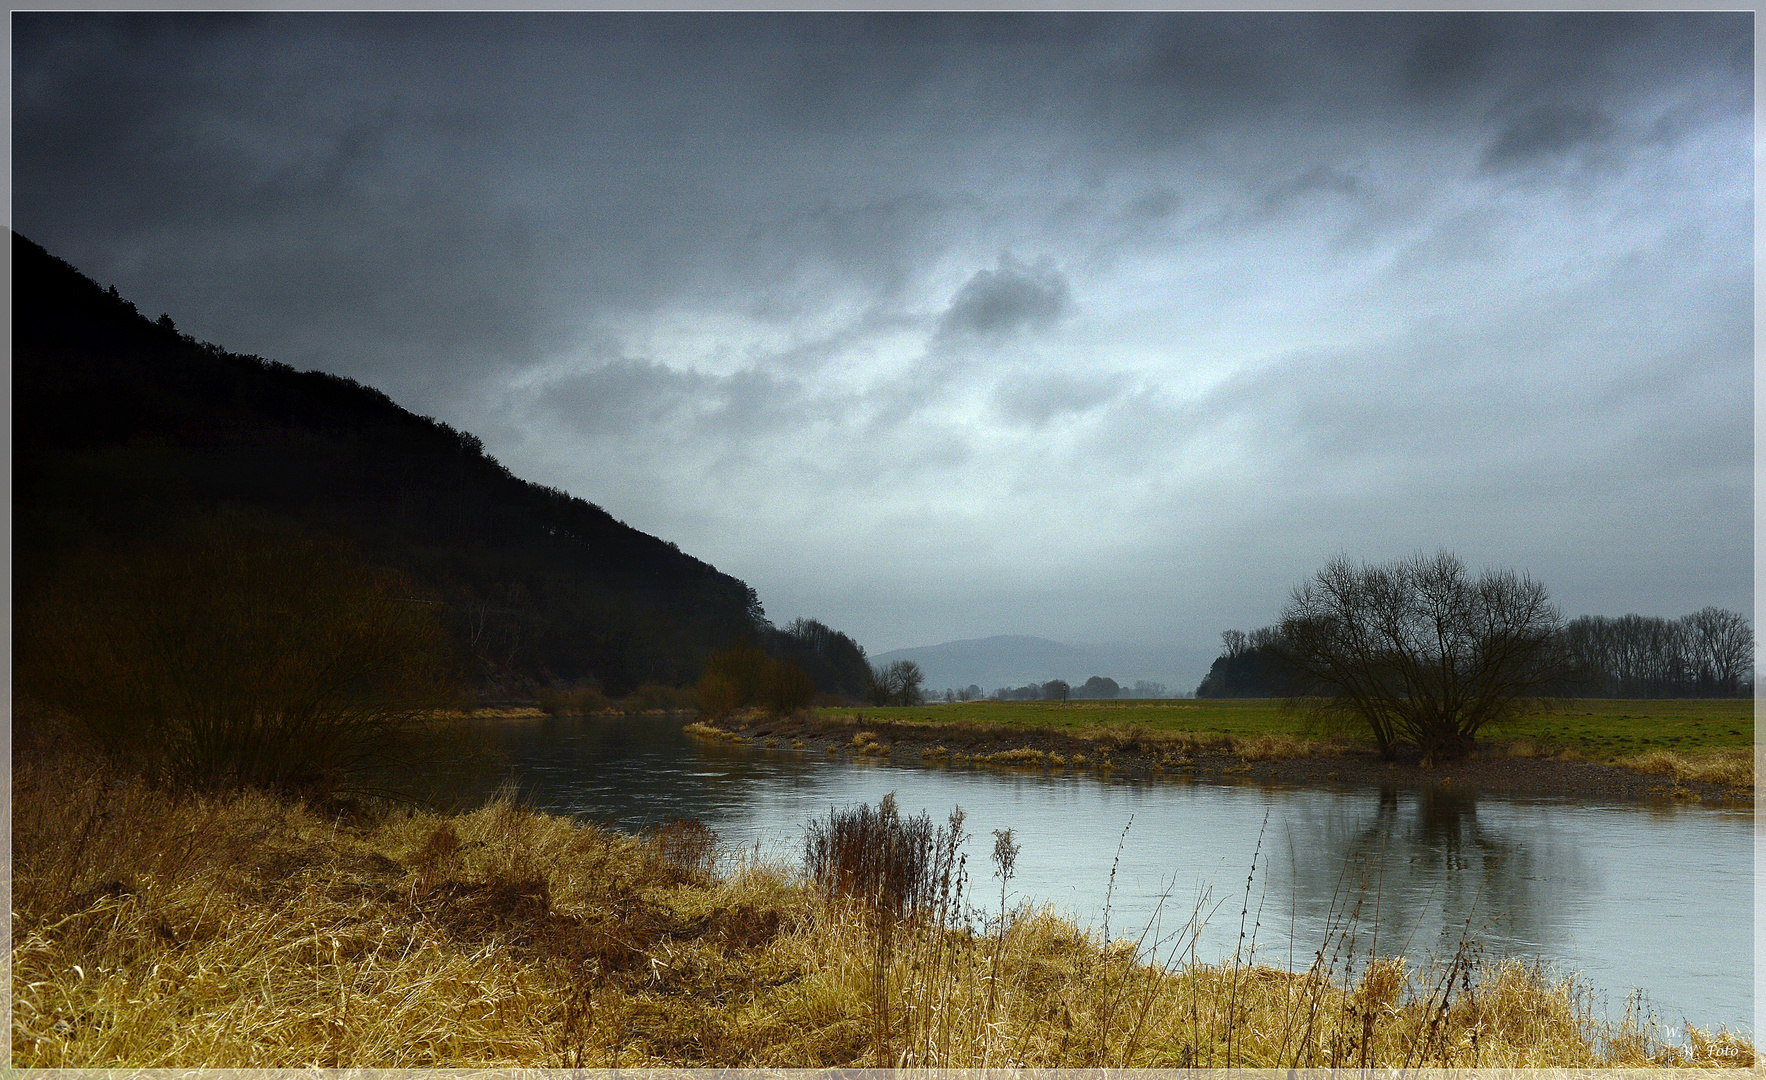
(1263, 759)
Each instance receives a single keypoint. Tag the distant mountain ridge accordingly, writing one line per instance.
(1011, 660)
(122, 425)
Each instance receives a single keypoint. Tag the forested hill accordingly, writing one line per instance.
(123, 425)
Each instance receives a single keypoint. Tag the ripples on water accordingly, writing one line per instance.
(1657, 897)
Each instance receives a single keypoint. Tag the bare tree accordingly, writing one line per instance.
(1418, 649)
(897, 684)
(1722, 647)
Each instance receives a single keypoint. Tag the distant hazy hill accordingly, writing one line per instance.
(1014, 660)
(122, 424)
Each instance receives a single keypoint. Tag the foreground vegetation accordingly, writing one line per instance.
(246, 930)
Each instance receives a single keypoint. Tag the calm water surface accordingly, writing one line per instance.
(1656, 898)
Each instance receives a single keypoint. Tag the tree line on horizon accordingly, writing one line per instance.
(1707, 654)
(1420, 652)
(1096, 688)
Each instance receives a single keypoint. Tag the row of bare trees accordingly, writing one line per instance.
(1420, 650)
(1709, 653)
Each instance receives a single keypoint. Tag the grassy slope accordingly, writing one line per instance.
(1595, 729)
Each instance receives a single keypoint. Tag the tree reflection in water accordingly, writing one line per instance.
(1411, 873)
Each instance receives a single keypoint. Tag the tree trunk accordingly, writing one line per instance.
(1446, 746)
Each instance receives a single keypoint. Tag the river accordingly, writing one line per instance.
(1657, 898)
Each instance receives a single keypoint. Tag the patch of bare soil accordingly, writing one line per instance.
(1150, 755)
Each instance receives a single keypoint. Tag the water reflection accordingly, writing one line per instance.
(1607, 891)
(1423, 870)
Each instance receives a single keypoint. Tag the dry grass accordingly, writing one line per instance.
(1165, 749)
(1732, 767)
(243, 931)
(1021, 756)
(1273, 747)
(706, 731)
(1179, 747)
(493, 712)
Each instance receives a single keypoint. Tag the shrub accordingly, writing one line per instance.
(786, 688)
(717, 695)
(654, 697)
(891, 864)
(742, 675)
(583, 699)
(684, 849)
(743, 666)
(231, 654)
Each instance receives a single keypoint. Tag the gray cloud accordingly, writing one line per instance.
(1317, 179)
(1454, 54)
(627, 396)
(1301, 282)
(1545, 132)
(1037, 401)
(1010, 298)
(1158, 203)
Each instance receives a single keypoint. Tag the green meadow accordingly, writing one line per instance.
(1598, 728)
(1594, 728)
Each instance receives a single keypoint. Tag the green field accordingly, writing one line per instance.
(1602, 728)
(1594, 728)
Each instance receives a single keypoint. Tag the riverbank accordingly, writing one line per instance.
(155, 930)
(1520, 764)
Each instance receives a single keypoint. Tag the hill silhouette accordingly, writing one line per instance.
(1009, 660)
(123, 426)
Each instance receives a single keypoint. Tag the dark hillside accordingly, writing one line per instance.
(123, 426)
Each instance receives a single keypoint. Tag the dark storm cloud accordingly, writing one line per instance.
(655, 258)
(1545, 132)
(1169, 82)
(1451, 55)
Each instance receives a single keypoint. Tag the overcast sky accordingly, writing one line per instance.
(1099, 328)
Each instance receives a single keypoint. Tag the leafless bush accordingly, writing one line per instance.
(687, 847)
(1420, 650)
(893, 864)
(232, 654)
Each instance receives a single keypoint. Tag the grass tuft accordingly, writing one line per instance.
(1732, 767)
